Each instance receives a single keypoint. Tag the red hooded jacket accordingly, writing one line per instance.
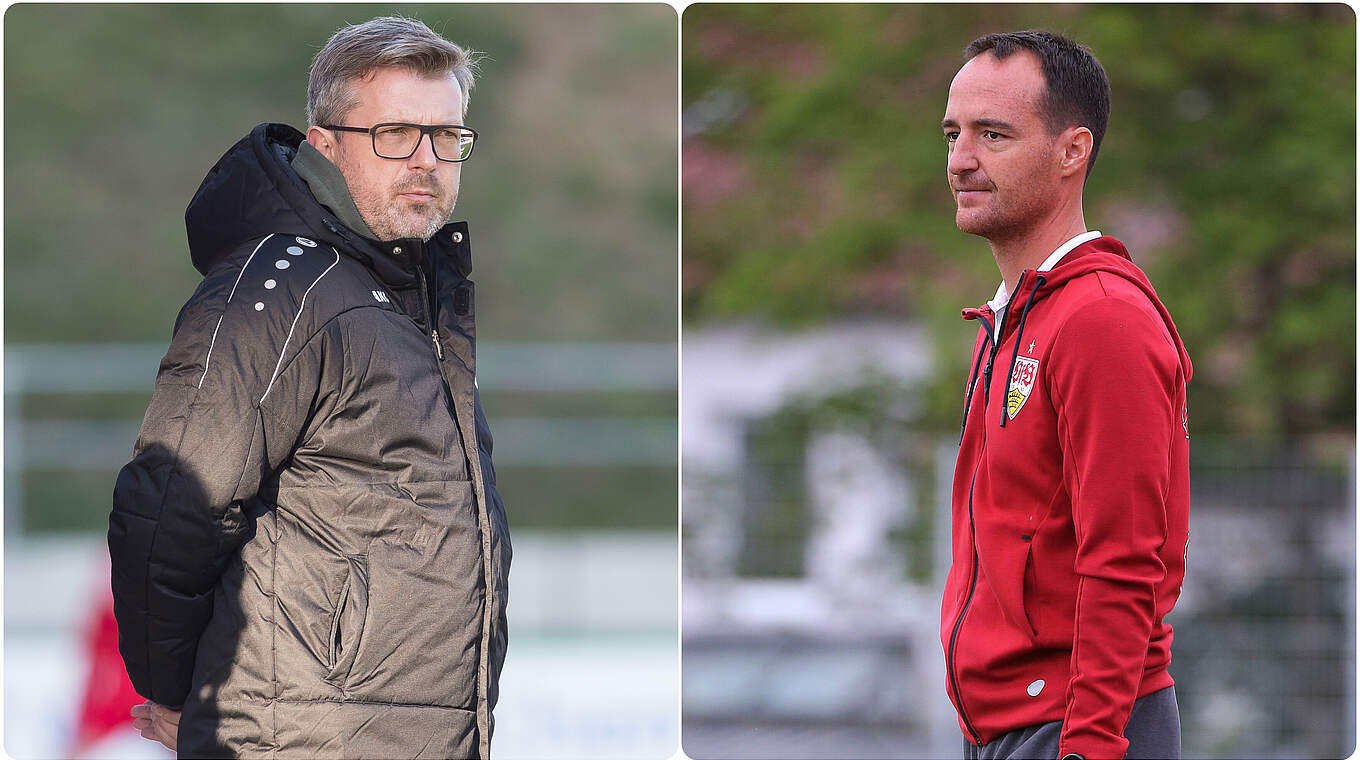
(1070, 506)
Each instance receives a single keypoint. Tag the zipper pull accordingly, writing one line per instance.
(438, 349)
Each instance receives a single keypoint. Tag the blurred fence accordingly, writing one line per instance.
(592, 669)
(71, 432)
(804, 638)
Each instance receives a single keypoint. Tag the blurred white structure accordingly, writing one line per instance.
(818, 538)
(841, 659)
(592, 668)
(733, 375)
(858, 498)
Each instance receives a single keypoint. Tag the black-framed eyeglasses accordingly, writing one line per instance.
(399, 140)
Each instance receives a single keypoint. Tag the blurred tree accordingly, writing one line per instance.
(114, 113)
(813, 183)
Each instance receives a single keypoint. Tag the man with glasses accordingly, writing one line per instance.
(309, 553)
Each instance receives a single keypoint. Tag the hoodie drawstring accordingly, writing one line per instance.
(1019, 333)
(972, 383)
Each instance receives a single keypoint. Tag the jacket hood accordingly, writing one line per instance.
(253, 191)
(1104, 254)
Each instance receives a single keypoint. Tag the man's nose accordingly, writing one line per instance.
(962, 155)
(424, 157)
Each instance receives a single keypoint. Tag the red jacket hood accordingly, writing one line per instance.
(1104, 254)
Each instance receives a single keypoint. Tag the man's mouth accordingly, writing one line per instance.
(418, 193)
(969, 193)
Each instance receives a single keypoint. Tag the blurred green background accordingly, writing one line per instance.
(820, 254)
(814, 183)
(113, 114)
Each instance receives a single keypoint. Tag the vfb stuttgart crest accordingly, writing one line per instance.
(1022, 382)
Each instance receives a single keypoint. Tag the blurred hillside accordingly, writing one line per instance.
(113, 113)
(814, 184)
(822, 279)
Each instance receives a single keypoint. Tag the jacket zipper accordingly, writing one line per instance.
(438, 349)
(424, 296)
(429, 316)
(972, 532)
(958, 624)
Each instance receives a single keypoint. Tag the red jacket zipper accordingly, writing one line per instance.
(958, 624)
(986, 379)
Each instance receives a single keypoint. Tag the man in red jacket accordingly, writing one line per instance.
(1071, 492)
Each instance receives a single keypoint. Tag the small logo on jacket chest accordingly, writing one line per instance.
(1021, 384)
(381, 297)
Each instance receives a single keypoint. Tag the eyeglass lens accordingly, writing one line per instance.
(399, 141)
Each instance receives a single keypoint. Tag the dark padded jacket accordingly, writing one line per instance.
(309, 552)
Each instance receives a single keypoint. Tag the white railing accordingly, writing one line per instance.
(76, 443)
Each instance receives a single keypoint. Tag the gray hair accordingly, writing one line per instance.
(358, 50)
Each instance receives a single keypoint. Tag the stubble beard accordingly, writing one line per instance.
(399, 218)
(974, 219)
(1003, 219)
(391, 217)
(1012, 213)
(988, 221)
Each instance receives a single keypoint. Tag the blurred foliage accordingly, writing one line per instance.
(113, 114)
(814, 185)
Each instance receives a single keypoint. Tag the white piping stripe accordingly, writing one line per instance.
(1066, 248)
(208, 358)
(284, 351)
(1002, 298)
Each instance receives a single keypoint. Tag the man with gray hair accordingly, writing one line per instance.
(309, 553)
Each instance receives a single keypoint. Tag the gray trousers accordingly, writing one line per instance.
(1154, 733)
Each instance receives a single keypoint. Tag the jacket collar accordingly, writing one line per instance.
(329, 187)
(1002, 298)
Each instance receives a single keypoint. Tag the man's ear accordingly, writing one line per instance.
(323, 141)
(1075, 144)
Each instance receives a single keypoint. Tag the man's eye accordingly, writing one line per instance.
(990, 135)
(951, 136)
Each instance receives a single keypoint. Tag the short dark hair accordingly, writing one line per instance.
(1077, 90)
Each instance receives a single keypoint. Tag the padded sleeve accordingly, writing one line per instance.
(181, 507)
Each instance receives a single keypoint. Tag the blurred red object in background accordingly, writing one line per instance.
(108, 692)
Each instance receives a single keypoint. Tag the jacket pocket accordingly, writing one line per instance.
(1010, 561)
(425, 622)
(334, 641)
(1026, 600)
(348, 621)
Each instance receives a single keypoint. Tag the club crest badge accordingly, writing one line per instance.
(1022, 382)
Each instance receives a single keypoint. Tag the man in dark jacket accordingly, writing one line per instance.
(1071, 493)
(309, 553)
